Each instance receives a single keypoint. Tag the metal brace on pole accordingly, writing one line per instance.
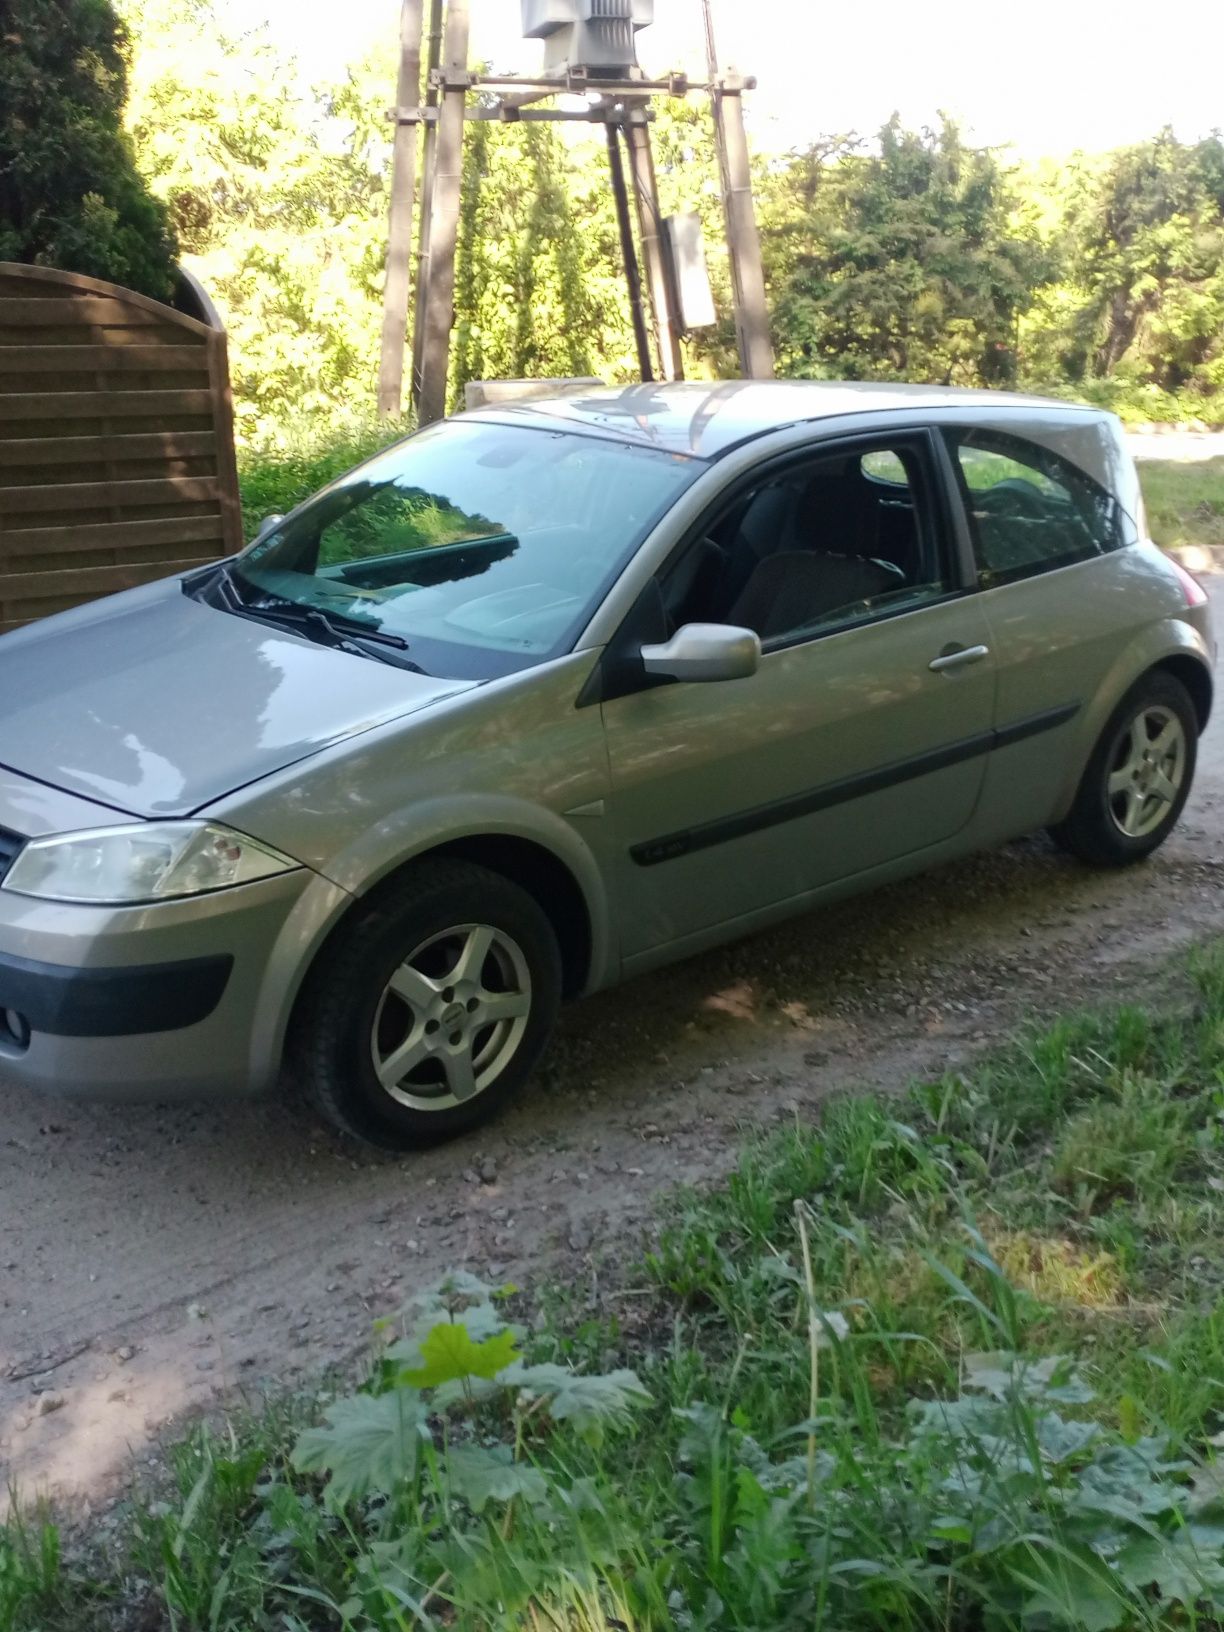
(438, 314)
(399, 233)
(646, 190)
(633, 273)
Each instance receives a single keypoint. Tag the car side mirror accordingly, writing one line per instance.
(266, 526)
(705, 651)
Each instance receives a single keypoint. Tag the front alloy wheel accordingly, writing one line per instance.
(452, 1018)
(429, 1007)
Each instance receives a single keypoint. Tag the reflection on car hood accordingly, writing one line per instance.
(156, 705)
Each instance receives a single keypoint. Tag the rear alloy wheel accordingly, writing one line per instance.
(430, 1008)
(1138, 778)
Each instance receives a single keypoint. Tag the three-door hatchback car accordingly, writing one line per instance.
(554, 693)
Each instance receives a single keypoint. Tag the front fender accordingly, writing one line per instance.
(401, 837)
(407, 834)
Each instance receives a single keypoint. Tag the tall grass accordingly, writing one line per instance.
(949, 1361)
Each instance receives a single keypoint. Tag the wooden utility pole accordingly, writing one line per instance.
(439, 285)
(743, 239)
(646, 191)
(403, 195)
(633, 273)
(432, 97)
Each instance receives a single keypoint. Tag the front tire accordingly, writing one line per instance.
(429, 1008)
(1138, 779)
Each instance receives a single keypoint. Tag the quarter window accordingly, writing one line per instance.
(1030, 510)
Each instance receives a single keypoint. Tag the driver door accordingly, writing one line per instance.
(846, 749)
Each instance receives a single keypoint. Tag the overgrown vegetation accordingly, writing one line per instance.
(890, 255)
(273, 480)
(948, 1361)
(906, 255)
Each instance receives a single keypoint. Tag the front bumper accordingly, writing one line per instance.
(177, 999)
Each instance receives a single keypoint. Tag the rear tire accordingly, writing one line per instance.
(1138, 779)
(429, 1008)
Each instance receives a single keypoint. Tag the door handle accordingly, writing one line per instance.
(959, 658)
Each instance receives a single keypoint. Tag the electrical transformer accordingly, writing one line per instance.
(592, 36)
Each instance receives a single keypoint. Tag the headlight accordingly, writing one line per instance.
(148, 861)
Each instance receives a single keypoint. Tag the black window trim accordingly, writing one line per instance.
(617, 675)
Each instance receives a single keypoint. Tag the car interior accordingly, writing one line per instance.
(1029, 509)
(822, 542)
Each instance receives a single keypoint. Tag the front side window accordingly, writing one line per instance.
(477, 548)
(824, 543)
(1031, 511)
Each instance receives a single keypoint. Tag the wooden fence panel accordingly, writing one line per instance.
(116, 441)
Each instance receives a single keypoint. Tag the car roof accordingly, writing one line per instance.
(706, 419)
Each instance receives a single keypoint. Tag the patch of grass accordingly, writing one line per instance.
(32, 1584)
(273, 479)
(949, 1361)
(1185, 501)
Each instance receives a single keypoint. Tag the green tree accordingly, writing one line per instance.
(279, 194)
(906, 264)
(537, 286)
(70, 193)
(1149, 240)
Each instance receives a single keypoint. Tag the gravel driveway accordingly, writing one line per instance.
(153, 1259)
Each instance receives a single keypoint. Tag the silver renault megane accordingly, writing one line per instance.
(554, 693)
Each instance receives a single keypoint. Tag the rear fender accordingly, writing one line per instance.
(1152, 646)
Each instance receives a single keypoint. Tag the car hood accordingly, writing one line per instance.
(156, 705)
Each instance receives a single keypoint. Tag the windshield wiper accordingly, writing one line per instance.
(344, 633)
(336, 624)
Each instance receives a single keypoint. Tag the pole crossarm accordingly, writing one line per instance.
(526, 116)
(572, 84)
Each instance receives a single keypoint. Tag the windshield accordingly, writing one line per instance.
(484, 547)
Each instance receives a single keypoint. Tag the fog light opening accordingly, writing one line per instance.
(14, 1028)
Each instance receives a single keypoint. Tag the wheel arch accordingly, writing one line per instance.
(523, 861)
(1170, 647)
(542, 873)
(1197, 679)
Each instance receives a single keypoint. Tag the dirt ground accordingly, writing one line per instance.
(154, 1261)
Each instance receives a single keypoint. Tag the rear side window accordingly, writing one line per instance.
(1031, 510)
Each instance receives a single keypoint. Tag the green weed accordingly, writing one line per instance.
(32, 1581)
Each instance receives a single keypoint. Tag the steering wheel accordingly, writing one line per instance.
(1019, 497)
